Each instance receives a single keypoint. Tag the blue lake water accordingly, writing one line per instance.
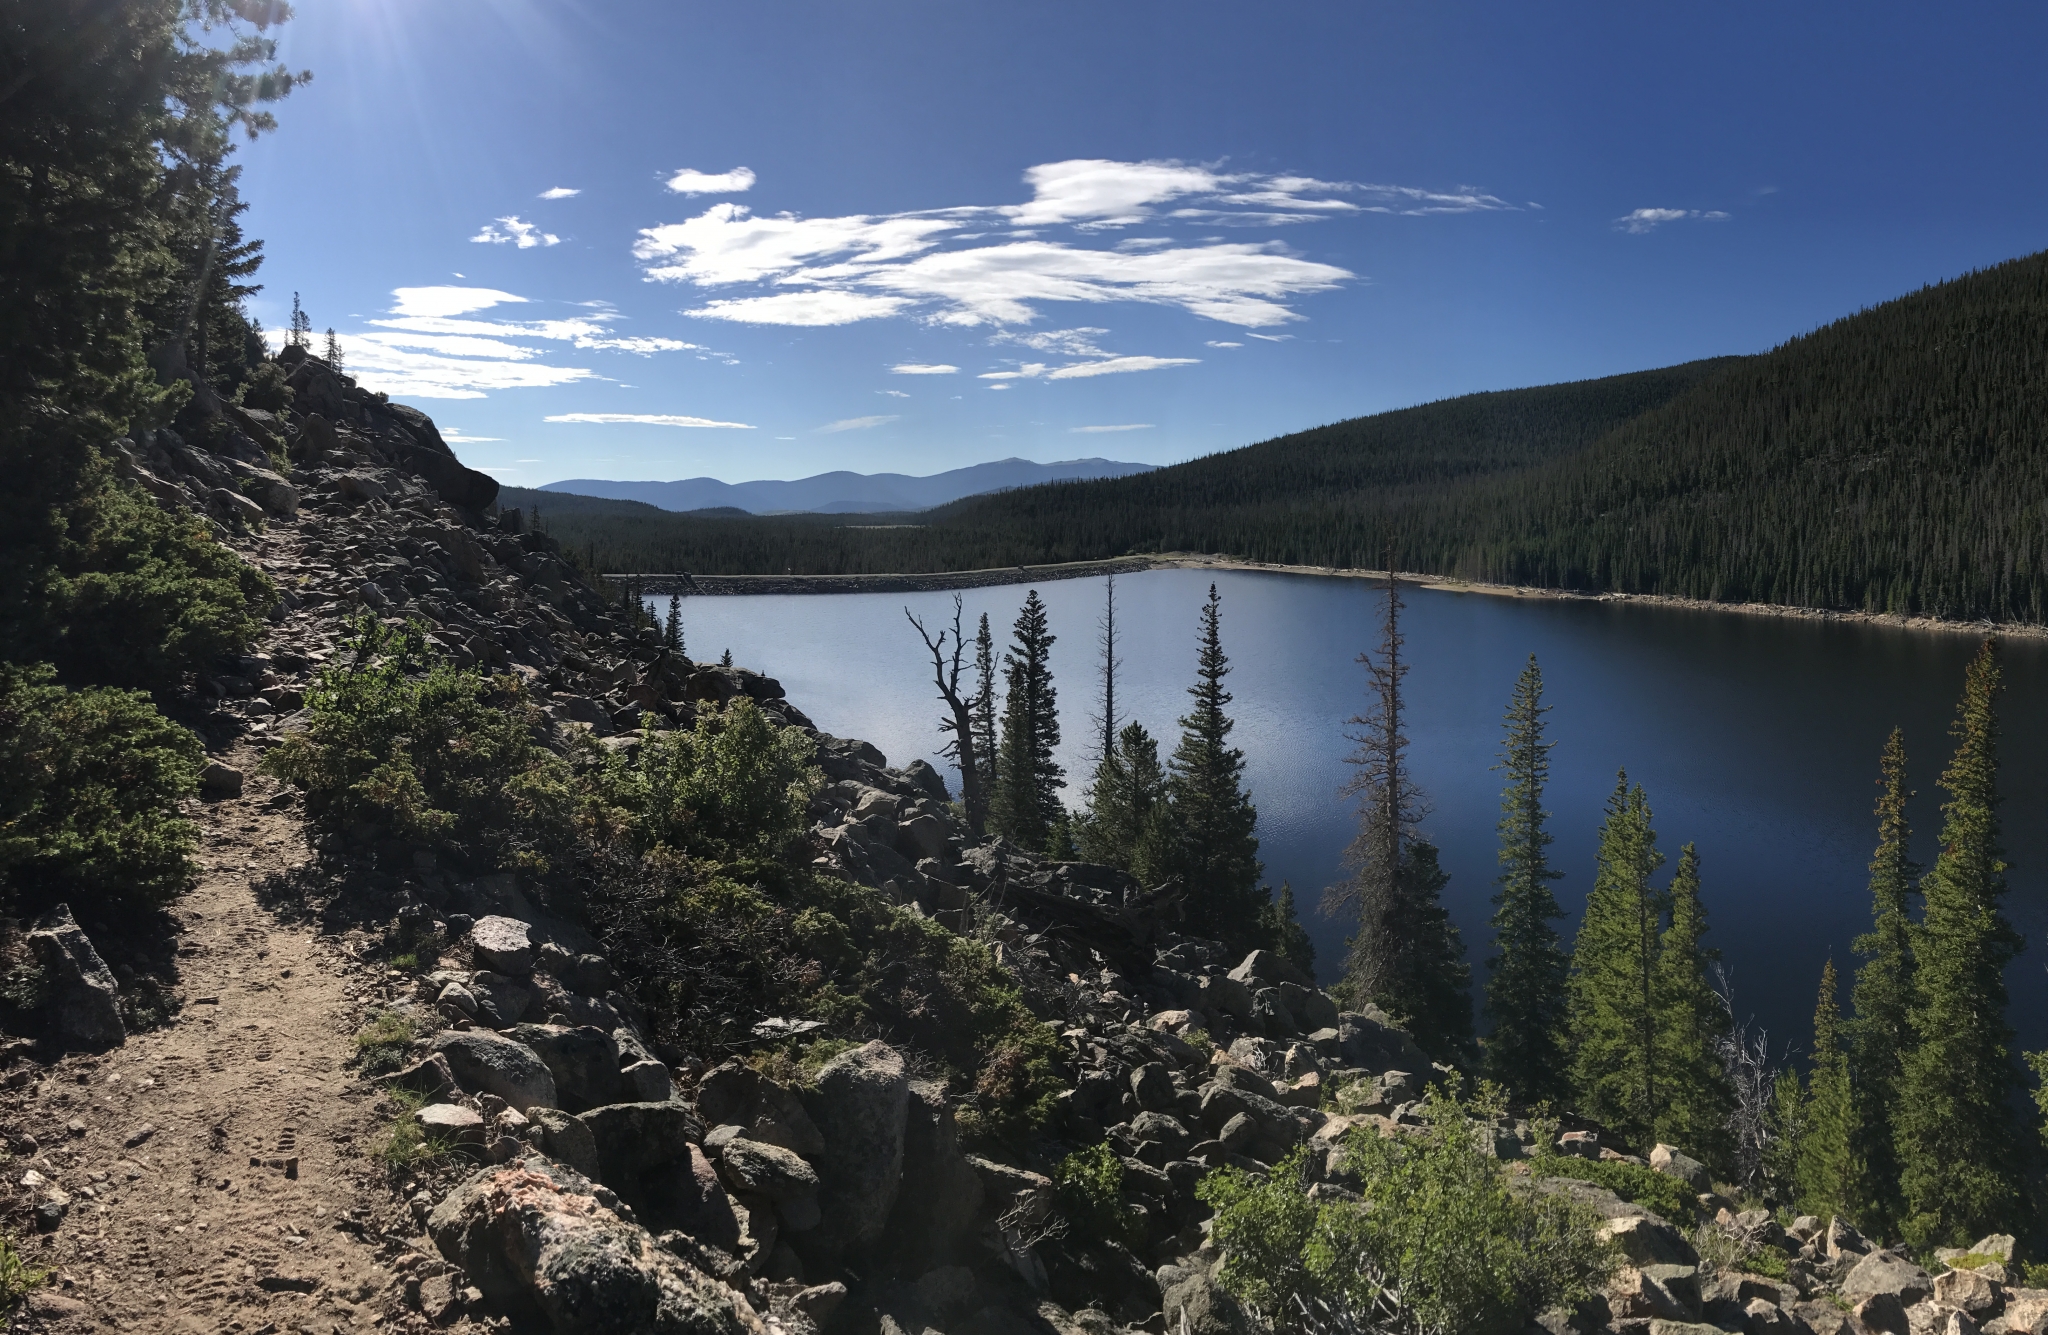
(1756, 737)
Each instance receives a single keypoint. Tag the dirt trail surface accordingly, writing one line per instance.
(218, 1165)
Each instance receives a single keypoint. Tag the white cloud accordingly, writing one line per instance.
(923, 368)
(1065, 342)
(1098, 430)
(893, 393)
(1028, 371)
(1648, 220)
(923, 264)
(644, 419)
(1117, 366)
(823, 307)
(424, 375)
(455, 436)
(1223, 343)
(688, 182)
(859, 423)
(524, 235)
(443, 301)
(560, 192)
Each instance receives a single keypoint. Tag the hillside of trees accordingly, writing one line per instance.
(1880, 463)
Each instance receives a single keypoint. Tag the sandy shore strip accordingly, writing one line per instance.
(664, 584)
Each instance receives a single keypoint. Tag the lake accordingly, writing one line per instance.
(1756, 738)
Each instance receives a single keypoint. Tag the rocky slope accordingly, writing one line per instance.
(604, 1183)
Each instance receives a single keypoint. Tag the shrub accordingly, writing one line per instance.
(735, 785)
(399, 738)
(1646, 1187)
(384, 1043)
(1442, 1242)
(90, 783)
(1089, 1185)
(18, 1279)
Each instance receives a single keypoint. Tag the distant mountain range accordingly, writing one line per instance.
(848, 493)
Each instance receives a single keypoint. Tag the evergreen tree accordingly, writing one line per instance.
(983, 710)
(1960, 1149)
(1824, 1171)
(1215, 851)
(1880, 1034)
(1525, 997)
(1429, 987)
(672, 629)
(1284, 933)
(1693, 1093)
(1028, 780)
(1612, 996)
(300, 335)
(1126, 824)
(333, 351)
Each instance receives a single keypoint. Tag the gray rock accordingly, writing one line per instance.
(1224, 996)
(1199, 1306)
(1844, 1240)
(634, 1137)
(1674, 1162)
(1166, 1130)
(487, 1063)
(536, 1237)
(221, 780)
(922, 837)
(937, 1213)
(1648, 1241)
(767, 1170)
(647, 1082)
(501, 944)
(1881, 1312)
(947, 1291)
(1887, 1273)
(860, 1107)
(430, 1075)
(1968, 1290)
(584, 1062)
(80, 988)
(1153, 1087)
(1266, 968)
(500, 1002)
(567, 1140)
(452, 1121)
(687, 1194)
(735, 1093)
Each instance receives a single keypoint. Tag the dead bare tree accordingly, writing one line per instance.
(946, 669)
(1746, 1059)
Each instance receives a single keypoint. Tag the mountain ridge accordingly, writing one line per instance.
(845, 492)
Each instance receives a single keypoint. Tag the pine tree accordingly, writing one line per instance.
(1213, 819)
(1429, 988)
(983, 709)
(1284, 933)
(1960, 1147)
(1612, 996)
(1028, 779)
(1880, 1034)
(1107, 797)
(301, 332)
(1126, 824)
(672, 629)
(1525, 997)
(1824, 1171)
(1693, 1093)
(333, 351)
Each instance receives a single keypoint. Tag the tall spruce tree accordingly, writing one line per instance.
(1880, 1032)
(1028, 779)
(1127, 823)
(1429, 987)
(984, 708)
(1214, 849)
(1107, 801)
(1962, 1157)
(672, 628)
(1693, 1096)
(1284, 932)
(1824, 1175)
(1525, 996)
(1612, 994)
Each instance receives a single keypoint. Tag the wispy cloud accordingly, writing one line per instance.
(521, 234)
(859, 423)
(997, 264)
(1100, 430)
(689, 182)
(1084, 370)
(644, 419)
(893, 393)
(454, 436)
(441, 301)
(560, 192)
(924, 368)
(1222, 343)
(1648, 220)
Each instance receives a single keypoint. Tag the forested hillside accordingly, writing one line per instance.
(1885, 462)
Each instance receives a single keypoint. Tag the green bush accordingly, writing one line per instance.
(121, 593)
(90, 786)
(1442, 1242)
(1667, 1196)
(399, 739)
(735, 785)
(1089, 1184)
(384, 1044)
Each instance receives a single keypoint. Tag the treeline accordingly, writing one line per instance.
(123, 272)
(1885, 463)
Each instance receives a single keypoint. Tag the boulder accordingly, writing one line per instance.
(1844, 1240)
(1198, 1305)
(860, 1107)
(430, 1076)
(736, 1094)
(501, 944)
(1153, 1087)
(922, 836)
(220, 780)
(452, 1121)
(500, 1002)
(1823, 1318)
(487, 1063)
(1674, 1162)
(80, 988)
(1266, 968)
(566, 1139)
(632, 1138)
(1968, 1290)
(931, 1221)
(1998, 1246)
(766, 1170)
(541, 1240)
(1881, 1312)
(686, 1194)
(647, 1082)
(947, 1291)
(1647, 1240)
(1224, 996)
(1886, 1272)
(2026, 1313)
(584, 1062)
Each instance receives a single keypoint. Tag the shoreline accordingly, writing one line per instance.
(943, 581)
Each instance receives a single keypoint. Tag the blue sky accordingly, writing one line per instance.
(645, 239)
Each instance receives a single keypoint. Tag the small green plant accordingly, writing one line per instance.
(1447, 1243)
(2031, 1274)
(406, 960)
(1090, 1184)
(384, 1043)
(18, 1279)
(1647, 1187)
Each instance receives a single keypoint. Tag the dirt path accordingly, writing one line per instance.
(219, 1166)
